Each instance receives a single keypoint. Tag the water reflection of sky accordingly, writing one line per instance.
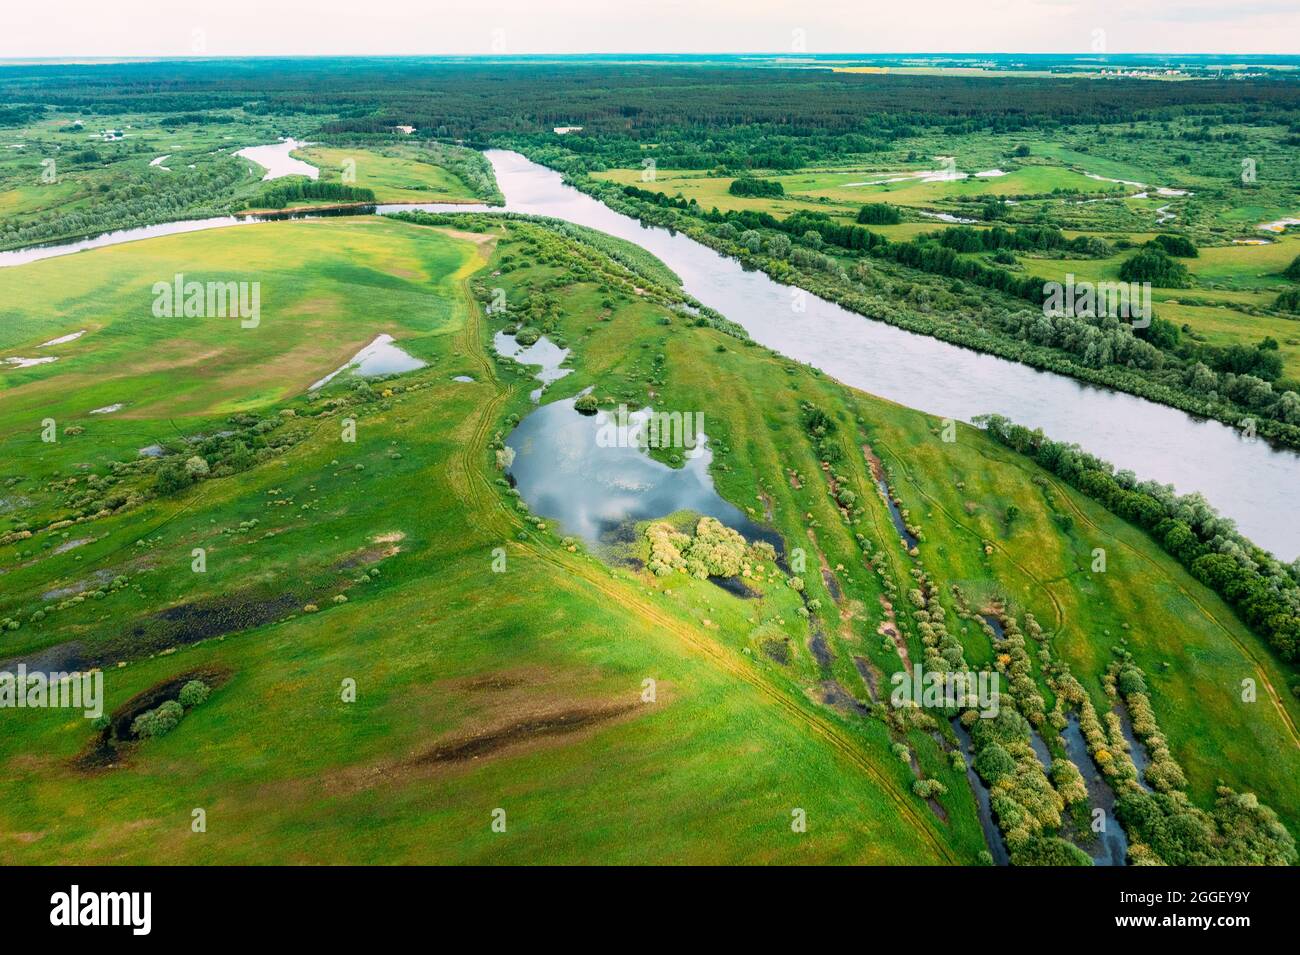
(592, 486)
(543, 354)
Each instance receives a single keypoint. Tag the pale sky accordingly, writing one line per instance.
(56, 28)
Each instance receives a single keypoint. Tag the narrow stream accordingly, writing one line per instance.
(1137, 750)
(896, 515)
(983, 801)
(1110, 846)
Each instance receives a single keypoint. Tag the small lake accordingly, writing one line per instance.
(596, 488)
(380, 357)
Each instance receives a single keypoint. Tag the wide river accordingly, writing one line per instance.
(1245, 479)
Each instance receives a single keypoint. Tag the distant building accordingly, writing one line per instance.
(405, 129)
(111, 134)
(561, 130)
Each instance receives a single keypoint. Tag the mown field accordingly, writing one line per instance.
(520, 690)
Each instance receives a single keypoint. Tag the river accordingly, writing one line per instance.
(1245, 479)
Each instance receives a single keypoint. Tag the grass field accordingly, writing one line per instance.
(448, 654)
(1229, 282)
(843, 191)
(395, 175)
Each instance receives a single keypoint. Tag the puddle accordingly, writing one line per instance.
(735, 586)
(152, 451)
(62, 340)
(1278, 225)
(881, 182)
(543, 354)
(595, 486)
(820, 650)
(834, 695)
(868, 675)
(108, 409)
(380, 357)
(947, 217)
(69, 545)
(1122, 182)
(29, 362)
(277, 162)
(464, 378)
(994, 621)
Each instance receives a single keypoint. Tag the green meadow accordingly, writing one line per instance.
(395, 174)
(497, 663)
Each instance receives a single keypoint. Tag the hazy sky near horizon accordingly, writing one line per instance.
(307, 27)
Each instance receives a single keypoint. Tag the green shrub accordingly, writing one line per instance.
(172, 478)
(1178, 245)
(751, 186)
(158, 722)
(878, 213)
(1152, 264)
(193, 693)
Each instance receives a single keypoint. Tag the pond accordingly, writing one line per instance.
(380, 357)
(590, 475)
(543, 355)
(277, 162)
